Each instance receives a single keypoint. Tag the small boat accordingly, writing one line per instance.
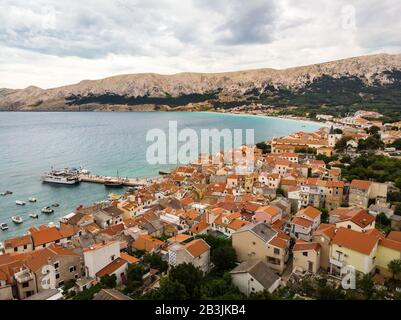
(32, 199)
(34, 215)
(3, 226)
(6, 193)
(47, 210)
(55, 205)
(113, 184)
(164, 172)
(17, 219)
(20, 202)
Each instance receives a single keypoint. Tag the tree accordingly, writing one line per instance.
(396, 144)
(224, 258)
(190, 277)
(373, 130)
(88, 294)
(382, 220)
(170, 290)
(395, 267)
(109, 281)
(338, 131)
(342, 143)
(266, 148)
(156, 262)
(367, 285)
(220, 288)
(135, 272)
(397, 210)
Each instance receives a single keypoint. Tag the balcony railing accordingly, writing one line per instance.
(337, 263)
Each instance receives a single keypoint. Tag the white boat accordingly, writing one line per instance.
(3, 226)
(47, 210)
(20, 202)
(32, 199)
(34, 215)
(65, 176)
(17, 219)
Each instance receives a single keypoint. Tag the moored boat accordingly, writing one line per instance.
(34, 215)
(20, 202)
(6, 193)
(32, 199)
(55, 205)
(47, 210)
(17, 219)
(3, 226)
(113, 183)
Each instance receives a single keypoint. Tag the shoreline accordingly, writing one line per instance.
(322, 124)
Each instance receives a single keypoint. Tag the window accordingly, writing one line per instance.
(25, 285)
(276, 251)
(57, 276)
(113, 257)
(61, 283)
(305, 253)
(15, 249)
(73, 268)
(44, 245)
(56, 265)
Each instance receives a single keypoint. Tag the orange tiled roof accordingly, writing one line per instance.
(17, 242)
(360, 184)
(197, 247)
(311, 212)
(110, 268)
(146, 243)
(302, 222)
(355, 240)
(129, 258)
(305, 246)
(46, 235)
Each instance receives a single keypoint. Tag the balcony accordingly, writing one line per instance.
(23, 276)
(336, 262)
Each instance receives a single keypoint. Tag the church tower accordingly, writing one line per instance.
(332, 137)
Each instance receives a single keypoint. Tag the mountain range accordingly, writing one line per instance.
(373, 81)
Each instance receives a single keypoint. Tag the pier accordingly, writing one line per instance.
(129, 182)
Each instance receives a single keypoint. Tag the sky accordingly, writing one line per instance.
(49, 43)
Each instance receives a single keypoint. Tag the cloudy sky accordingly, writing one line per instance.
(49, 43)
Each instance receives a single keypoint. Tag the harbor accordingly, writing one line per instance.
(107, 180)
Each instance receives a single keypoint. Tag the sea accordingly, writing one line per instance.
(106, 143)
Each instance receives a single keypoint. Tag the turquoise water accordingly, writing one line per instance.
(30, 143)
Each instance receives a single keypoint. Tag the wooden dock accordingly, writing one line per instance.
(129, 182)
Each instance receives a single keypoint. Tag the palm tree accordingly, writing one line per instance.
(395, 267)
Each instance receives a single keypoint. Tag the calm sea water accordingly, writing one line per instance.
(30, 143)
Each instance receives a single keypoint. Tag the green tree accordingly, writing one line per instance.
(156, 262)
(135, 272)
(367, 285)
(342, 143)
(395, 267)
(373, 130)
(190, 277)
(224, 258)
(397, 210)
(88, 294)
(109, 281)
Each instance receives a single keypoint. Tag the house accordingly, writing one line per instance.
(100, 255)
(108, 216)
(304, 223)
(110, 294)
(334, 194)
(117, 267)
(147, 243)
(254, 276)
(389, 249)
(323, 236)
(359, 193)
(195, 252)
(44, 237)
(357, 249)
(18, 244)
(360, 221)
(306, 256)
(376, 209)
(268, 214)
(261, 241)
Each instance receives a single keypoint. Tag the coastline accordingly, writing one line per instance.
(322, 124)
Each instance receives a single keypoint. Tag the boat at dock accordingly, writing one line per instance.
(17, 219)
(20, 202)
(164, 173)
(113, 183)
(4, 226)
(66, 176)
